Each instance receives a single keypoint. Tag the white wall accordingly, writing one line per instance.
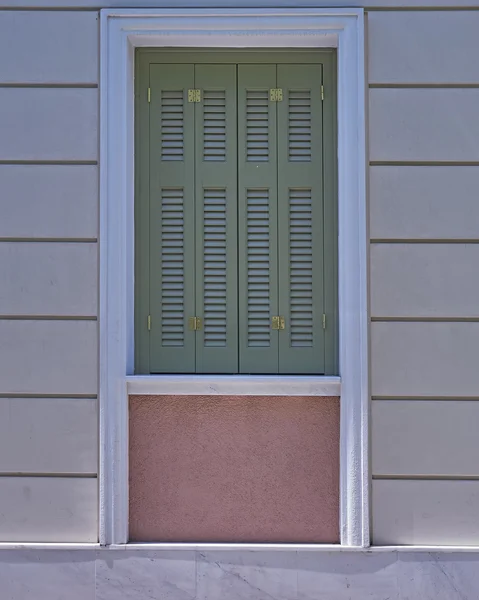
(48, 276)
(424, 289)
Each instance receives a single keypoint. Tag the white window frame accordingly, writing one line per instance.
(121, 32)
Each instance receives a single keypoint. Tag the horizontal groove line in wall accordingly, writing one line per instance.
(420, 8)
(426, 477)
(425, 319)
(49, 86)
(424, 398)
(46, 318)
(79, 163)
(50, 396)
(96, 8)
(52, 8)
(424, 241)
(50, 475)
(423, 86)
(50, 240)
(423, 163)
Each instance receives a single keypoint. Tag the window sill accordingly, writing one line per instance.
(234, 385)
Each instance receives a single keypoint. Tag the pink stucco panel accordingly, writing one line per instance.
(234, 469)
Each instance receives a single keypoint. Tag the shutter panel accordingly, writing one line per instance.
(172, 125)
(300, 218)
(216, 220)
(257, 247)
(258, 275)
(257, 125)
(172, 292)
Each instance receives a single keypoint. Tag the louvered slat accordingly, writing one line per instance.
(257, 121)
(214, 267)
(172, 267)
(214, 125)
(301, 267)
(299, 125)
(258, 267)
(172, 125)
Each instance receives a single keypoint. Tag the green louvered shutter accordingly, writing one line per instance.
(257, 226)
(172, 234)
(236, 219)
(300, 219)
(216, 220)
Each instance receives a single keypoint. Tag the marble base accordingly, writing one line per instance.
(237, 575)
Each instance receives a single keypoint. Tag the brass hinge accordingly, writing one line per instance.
(324, 321)
(194, 95)
(322, 92)
(277, 323)
(148, 322)
(276, 95)
(149, 95)
(194, 323)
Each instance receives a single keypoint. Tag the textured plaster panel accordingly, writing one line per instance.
(425, 437)
(409, 47)
(424, 280)
(38, 201)
(235, 468)
(42, 278)
(423, 125)
(48, 124)
(43, 509)
(49, 47)
(48, 435)
(48, 357)
(415, 202)
(425, 512)
(424, 359)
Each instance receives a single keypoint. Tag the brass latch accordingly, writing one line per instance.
(277, 323)
(194, 323)
(276, 95)
(194, 95)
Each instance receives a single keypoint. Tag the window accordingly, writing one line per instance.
(123, 350)
(235, 213)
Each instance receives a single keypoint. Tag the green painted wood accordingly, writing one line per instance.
(216, 219)
(274, 183)
(257, 219)
(300, 219)
(236, 56)
(172, 219)
(142, 213)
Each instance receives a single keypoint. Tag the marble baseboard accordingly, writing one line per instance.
(47, 574)
(237, 575)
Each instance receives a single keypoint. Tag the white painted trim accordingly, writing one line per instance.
(236, 385)
(219, 547)
(121, 32)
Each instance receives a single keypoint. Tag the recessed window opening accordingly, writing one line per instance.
(235, 212)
